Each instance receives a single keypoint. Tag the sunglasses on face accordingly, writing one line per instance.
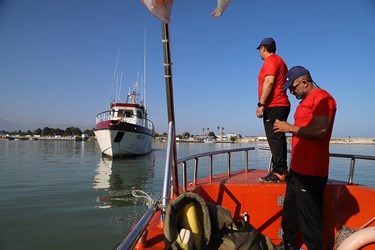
(292, 88)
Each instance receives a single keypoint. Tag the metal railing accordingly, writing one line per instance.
(107, 115)
(352, 158)
(137, 230)
(210, 155)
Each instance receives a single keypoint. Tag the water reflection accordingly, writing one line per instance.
(115, 179)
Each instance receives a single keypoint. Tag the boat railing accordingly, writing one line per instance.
(136, 232)
(210, 155)
(103, 116)
(108, 115)
(352, 158)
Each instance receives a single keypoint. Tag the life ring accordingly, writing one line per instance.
(358, 239)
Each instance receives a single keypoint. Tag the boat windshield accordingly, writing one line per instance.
(129, 113)
(139, 113)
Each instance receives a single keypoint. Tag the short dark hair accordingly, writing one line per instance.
(270, 48)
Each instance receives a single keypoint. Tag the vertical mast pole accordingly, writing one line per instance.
(144, 73)
(170, 102)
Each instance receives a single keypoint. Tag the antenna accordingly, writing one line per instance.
(119, 91)
(114, 73)
(116, 98)
(144, 71)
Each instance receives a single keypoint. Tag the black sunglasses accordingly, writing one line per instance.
(292, 87)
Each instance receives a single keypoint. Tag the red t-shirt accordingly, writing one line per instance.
(275, 66)
(311, 156)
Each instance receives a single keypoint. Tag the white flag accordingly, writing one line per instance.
(160, 8)
(221, 5)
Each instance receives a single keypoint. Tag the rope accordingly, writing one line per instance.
(142, 194)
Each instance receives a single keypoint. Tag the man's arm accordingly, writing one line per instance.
(267, 88)
(317, 129)
(266, 91)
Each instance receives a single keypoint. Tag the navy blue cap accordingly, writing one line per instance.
(293, 74)
(267, 41)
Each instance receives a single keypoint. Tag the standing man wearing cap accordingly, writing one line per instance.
(311, 133)
(273, 103)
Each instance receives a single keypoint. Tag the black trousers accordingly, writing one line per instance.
(303, 209)
(276, 141)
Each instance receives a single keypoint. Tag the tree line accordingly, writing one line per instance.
(70, 131)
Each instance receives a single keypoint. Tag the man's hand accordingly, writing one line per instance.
(281, 126)
(259, 112)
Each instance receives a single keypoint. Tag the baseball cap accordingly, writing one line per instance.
(293, 74)
(267, 41)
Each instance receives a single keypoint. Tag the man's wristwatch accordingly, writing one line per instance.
(260, 104)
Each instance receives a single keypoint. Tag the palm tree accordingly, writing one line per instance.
(203, 130)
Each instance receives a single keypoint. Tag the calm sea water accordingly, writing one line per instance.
(64, 195)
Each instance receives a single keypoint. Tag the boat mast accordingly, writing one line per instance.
(114, 75)
(144, 74)
(162, 10)
(170, 101)
(119, 91)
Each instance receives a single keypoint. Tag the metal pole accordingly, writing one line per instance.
(210, 171)
(229, 160)
(247, 160)
(170, 102)
(184, 177)
(195, 171)
(168, 167)
(351, 171)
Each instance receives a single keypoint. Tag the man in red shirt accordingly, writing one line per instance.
(273, 103)
(312, 129)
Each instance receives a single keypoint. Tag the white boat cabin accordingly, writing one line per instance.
(131, 113)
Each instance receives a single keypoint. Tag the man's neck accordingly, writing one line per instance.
(267, 54)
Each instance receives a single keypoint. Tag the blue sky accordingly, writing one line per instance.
(57, 60)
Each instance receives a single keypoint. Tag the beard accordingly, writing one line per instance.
(301, 95)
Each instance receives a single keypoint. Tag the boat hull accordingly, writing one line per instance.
(350, 205)
(131, 140)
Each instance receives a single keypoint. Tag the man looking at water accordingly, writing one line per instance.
(273, 103)
(312, 129)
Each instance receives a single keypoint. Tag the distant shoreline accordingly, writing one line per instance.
(366, 141)
(263, 140)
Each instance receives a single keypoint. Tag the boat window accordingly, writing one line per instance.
(139, 114)
(120, 113)
(129, 113)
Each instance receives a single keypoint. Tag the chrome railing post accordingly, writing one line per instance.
(195, 171)
(229, 156)
(270, 164)
(351, 171)
(210, 170)
(247, 160)
(184, 176)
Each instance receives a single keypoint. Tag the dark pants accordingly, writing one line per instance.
(276, 141)
(303, 209)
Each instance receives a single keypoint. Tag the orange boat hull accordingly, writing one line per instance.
(350, 205)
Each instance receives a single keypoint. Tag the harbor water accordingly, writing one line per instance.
(64, 195)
